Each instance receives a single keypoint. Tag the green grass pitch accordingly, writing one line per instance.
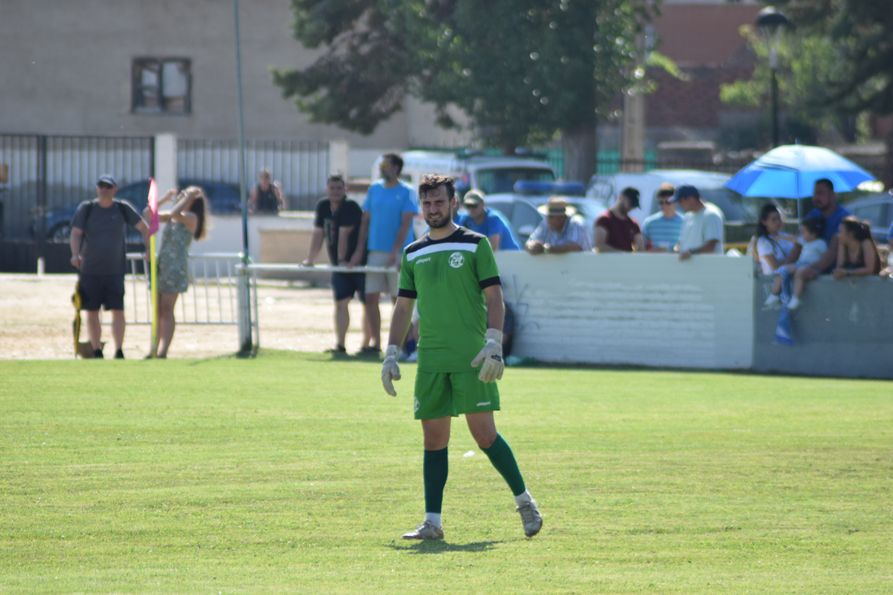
(293, 472)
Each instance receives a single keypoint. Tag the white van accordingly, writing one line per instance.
(490, 174)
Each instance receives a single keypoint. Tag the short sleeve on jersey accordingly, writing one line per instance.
(406, 286)
(487, 271)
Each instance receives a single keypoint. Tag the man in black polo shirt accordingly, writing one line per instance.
(98, 253)
(338, 222)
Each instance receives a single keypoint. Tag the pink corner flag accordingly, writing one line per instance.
(153, 206)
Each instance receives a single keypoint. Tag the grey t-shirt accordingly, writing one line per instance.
(104, 232)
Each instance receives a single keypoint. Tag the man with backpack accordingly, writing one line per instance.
(98, 233)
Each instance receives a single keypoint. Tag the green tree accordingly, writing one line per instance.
(805, 65)
(840, 64)
(524, 71)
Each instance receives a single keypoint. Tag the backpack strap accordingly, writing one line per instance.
(121, 208)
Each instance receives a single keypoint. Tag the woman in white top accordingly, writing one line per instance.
(774, 248)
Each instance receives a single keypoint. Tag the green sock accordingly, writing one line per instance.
(435, 469)
(500, 454)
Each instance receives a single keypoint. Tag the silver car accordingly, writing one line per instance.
(877, 209)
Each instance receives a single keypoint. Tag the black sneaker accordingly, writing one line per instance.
(369, 352)
(337, 350)
(119, 354)
(97, 354)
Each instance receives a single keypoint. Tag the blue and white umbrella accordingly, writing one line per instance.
(791, 171)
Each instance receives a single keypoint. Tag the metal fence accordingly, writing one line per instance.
(300, 167)
(43, 178)
(210, 299)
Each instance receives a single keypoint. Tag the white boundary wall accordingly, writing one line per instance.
(636, 309)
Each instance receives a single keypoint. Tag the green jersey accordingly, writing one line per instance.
(448, 277)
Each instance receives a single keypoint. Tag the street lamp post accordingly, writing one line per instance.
(771, 23)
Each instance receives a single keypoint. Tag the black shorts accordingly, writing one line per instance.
(345, 285)
(101, 290)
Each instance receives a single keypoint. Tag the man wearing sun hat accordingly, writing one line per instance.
(558, 232)
(702, 230)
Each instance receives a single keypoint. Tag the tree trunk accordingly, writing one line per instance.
(580, 151)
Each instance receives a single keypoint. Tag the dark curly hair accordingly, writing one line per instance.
(432, 181)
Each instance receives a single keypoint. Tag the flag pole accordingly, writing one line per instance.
(153, 265)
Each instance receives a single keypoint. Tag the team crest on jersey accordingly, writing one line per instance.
(456, 260)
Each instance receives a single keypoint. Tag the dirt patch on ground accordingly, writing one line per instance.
(36, 315)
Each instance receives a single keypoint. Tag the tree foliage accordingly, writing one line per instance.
(835, 65)
(522, 70)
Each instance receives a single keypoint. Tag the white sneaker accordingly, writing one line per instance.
(530, 518)
(772, 301)
(427, 531)
(793, 303)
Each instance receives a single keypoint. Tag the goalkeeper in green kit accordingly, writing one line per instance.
(452, 273)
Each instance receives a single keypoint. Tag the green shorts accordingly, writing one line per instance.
(442, 394)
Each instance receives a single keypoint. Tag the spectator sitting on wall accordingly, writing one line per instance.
(615, 230)
(661, 230)
(813, 248)
(826, 207)
(558, 233)
(488, 222)
(702, 230)
(857, 254)
(774, 248)
(267, 196)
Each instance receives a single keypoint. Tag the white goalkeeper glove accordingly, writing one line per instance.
(390, 371)
(491, 357)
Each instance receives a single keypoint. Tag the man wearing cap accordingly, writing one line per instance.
(661, 230)
(558, 233)
(702, 229)
(97, 245)
(615, 230)
(487, 222)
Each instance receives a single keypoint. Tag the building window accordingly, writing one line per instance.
(162, 85)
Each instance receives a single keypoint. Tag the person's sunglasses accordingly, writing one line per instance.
(664, 202)
(104, 185)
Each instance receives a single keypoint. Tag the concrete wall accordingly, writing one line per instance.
(843, 328)
(647, 309)
(225, 235)
(67, 67)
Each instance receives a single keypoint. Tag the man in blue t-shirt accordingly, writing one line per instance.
(661, 230)
(488, 222)
(827, 209)
(386, 228)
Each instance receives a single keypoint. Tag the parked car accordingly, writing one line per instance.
(877, 209)
(522, 209)
(224, 198)
(491, 174)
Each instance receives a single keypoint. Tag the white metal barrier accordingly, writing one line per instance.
(210, 299)
(214, 290)
(251, 271)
